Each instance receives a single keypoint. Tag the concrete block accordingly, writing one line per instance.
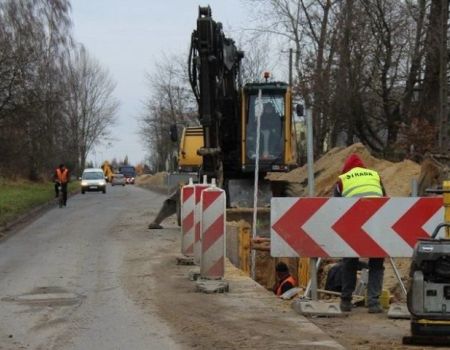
(316, 308)
(212, 286)
(399, 311)
(194, 275)
(185, 260)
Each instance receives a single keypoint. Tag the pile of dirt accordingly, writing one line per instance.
(396, 177)
(156, 182)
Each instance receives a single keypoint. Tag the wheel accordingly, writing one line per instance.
(123, 185)
(104, 190)
(82, 191)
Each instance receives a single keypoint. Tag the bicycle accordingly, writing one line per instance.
(60, 195)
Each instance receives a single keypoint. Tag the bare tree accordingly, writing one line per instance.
(360, 62)
(33, 37)
(256, 58)
(171, 101)
(90, 108)
(308, 27)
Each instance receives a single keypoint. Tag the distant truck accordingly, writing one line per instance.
(129, 172)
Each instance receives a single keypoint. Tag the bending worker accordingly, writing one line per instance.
(284, 280)
(358, 181)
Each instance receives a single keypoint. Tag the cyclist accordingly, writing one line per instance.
(62, 177)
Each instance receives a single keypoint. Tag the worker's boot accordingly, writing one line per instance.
(346, 305)
(375, 309)
(155, 226)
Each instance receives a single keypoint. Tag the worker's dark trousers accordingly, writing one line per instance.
(374, 286)
(63, 190)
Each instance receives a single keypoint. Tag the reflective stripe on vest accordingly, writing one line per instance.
(280, 287)
(62, 175)
(361, 182)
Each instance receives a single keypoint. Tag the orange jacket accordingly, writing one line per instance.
(290, 279)
(62, 175)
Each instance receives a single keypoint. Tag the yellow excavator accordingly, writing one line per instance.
(107, 170)
(228, 112)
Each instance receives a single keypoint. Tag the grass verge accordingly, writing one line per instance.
(18, 197)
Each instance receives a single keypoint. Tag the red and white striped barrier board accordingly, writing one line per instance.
(198, 189)
(187, 220)
(351, 227)
(213, 206)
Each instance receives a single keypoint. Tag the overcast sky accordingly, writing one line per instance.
(128, 37)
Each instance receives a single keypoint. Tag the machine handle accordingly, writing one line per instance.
(438, 227)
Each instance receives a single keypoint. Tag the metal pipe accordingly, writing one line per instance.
(258, 113)
(310, 152)
(414, 188)
(397, 274)
(309, 286)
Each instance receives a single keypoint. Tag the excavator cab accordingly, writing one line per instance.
(276, 142)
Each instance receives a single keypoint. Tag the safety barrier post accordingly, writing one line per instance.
(213, 220)
(187, 201)
(198, 189)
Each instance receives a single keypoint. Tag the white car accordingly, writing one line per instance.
(93, 179)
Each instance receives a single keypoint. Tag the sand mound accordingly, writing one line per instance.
(157, 181)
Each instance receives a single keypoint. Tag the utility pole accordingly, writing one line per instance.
(443, 81)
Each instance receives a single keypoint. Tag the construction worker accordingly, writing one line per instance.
(358, 181)
(61, 176)
(270, 131)
(284, 280)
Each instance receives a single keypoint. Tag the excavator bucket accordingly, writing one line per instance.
(241, 194)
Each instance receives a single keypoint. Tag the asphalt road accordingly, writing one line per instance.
(62, 282)
(92, 276)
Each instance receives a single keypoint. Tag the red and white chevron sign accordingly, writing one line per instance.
(351, 227)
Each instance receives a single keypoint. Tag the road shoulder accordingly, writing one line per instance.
(247, 317)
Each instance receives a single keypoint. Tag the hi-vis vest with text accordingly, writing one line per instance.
(361, 182)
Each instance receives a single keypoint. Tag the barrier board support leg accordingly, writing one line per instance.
(212, 228)
(312, 306)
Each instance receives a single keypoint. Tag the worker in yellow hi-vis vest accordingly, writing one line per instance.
(358, 181)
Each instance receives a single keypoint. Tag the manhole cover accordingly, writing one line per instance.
(48, 299)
